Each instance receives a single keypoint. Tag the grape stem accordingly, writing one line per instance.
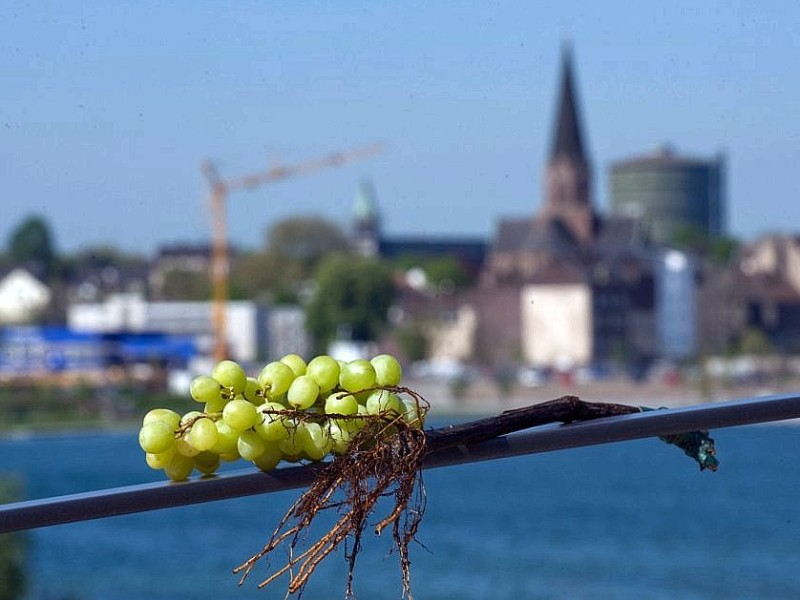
(187, 425)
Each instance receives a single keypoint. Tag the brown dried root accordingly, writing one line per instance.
(383, 459)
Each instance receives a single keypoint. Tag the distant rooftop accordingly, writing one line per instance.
(664, 155)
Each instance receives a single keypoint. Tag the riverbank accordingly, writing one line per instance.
(31, 408)
(484, 396)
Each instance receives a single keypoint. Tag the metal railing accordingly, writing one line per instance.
(152, 496)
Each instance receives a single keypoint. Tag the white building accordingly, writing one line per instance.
(22, 297)
(557, 325)
(246, 329)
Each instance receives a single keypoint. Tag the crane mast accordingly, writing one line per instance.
(219, 191)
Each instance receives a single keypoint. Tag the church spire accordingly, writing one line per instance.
(568, 174)
(366, 220)
(567, 138)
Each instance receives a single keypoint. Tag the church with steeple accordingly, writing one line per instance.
(576, 286)
(568, 173)
(564, 286)
(567, 235)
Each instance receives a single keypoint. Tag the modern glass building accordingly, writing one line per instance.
(671, 194)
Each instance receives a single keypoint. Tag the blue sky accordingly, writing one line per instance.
(108, 108)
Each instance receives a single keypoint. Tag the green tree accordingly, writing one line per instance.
(719, 249)
(444, 269)
(723, 250)
(412, 341)
(293, 249)
(265, 276)
(755, 342)
(302, 242)
(256, 275)
(690, 238)
(352, 294)
(31, 244)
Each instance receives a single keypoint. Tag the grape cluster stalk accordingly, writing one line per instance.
(355, 414)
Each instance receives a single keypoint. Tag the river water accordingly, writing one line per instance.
(624, 521)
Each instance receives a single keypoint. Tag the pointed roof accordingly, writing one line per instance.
(567, 138)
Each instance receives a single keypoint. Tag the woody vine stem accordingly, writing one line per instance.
(385, 459)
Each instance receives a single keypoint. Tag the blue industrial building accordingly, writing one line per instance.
(41, 350)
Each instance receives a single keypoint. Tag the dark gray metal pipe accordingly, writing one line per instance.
(138, 498)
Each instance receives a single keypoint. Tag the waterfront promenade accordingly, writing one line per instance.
(484, 396)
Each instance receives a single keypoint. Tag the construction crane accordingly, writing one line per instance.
(220, 188)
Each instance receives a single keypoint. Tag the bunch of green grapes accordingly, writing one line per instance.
(293, 411)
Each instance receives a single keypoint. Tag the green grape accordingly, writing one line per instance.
(275, 379)
(357, 375)
(270, 458)
(184, 447)
(252, 391)
(382, 402)
(230, 375)
(362, 396)
(206, 462)
(350, 425)
(315, 443)
(296, 363)
(412, 414)
(341, 403)
(189, 417)
(160, 460)
(240, 414)
(388, 371)
(250, 445)
(180, 467)
(340, 435)
(205, 389)
(272, 427)
(280, 400)
(215, 406)
(227, 437)
(203, 434)
(292, 445)
(325, 371)
(244, 431)
(358, 424)
(303, 392)
(156, 437)
(170, 417)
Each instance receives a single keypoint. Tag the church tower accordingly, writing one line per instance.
(568, 173)
(366, 221)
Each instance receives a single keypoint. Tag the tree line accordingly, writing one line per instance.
(305, 260)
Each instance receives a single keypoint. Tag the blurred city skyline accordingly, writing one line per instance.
(111, 109)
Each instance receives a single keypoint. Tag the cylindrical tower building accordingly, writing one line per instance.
(670, 194)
